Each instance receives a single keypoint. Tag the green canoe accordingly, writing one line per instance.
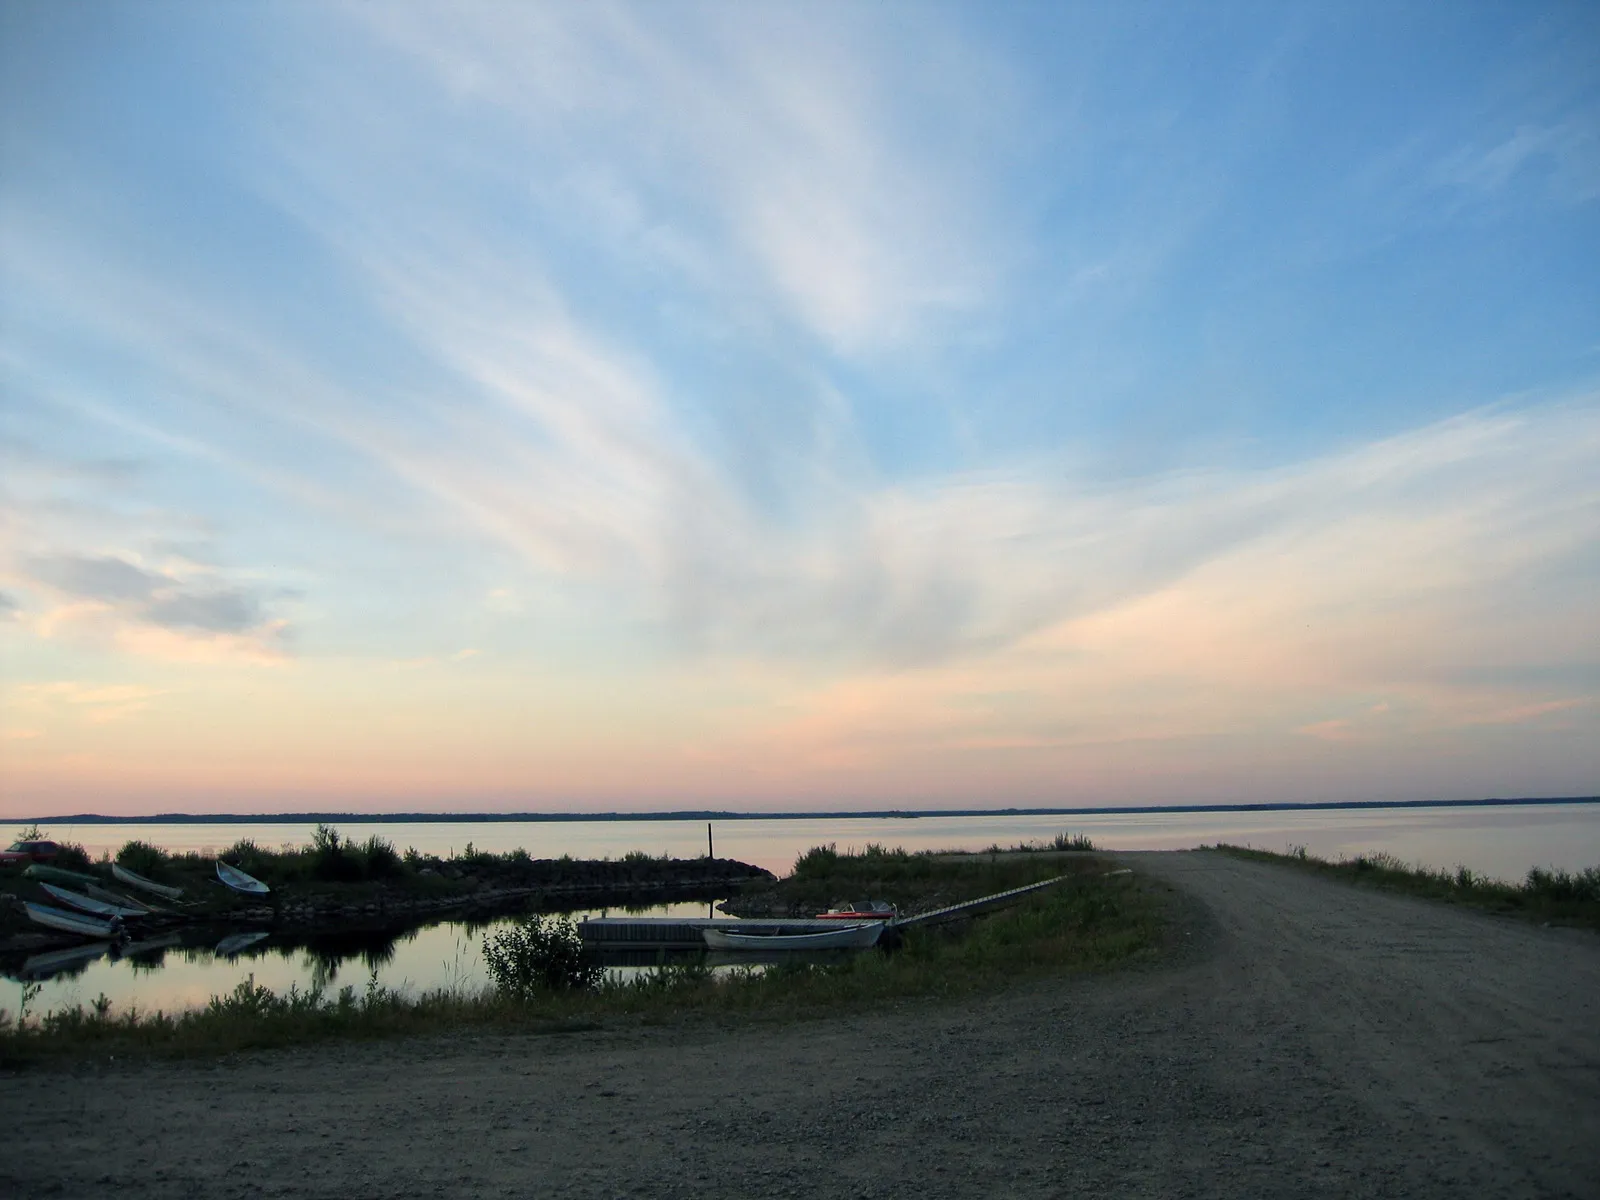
(58, 875)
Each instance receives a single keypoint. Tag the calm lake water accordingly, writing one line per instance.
(1502, 841)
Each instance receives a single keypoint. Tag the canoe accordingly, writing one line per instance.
(119, 898)
(850, 937)
(239, 881)
(58, 875)
(95, 908)
(145, 885)
(72, 922)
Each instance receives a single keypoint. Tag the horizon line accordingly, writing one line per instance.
(284, 818)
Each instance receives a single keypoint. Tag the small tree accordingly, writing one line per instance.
(539, 954)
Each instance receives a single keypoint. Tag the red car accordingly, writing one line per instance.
(28, 852)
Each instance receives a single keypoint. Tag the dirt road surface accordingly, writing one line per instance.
(1308, 1039)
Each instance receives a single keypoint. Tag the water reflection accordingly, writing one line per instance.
(186, 968)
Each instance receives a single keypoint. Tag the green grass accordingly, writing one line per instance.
(913, 881)
(1557, 897)
(1091, 921)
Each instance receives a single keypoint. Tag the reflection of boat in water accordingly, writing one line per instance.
(57, 962)
(234, 944)
(148, 952)
(72, 922)
(95, 908)
(850, 937)
(133, 880)
(239, 881)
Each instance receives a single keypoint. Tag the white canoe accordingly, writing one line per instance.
(120, 899)
(143, 884)
(70, 922)
(96, 908)
(850, 937)
(239, 881)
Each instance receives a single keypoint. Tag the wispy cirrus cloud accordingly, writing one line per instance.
(784, 159)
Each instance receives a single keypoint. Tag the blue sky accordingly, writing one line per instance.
(592, 405)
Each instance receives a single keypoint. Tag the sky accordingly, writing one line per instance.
(601, 406)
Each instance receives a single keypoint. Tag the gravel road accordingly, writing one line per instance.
(1305, 1039)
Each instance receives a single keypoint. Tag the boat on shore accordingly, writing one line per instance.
(95, 908)
(849, 937)
(73, 922)
(239, 881)
(128, 877)
(122, 899)
(860, 910)
(46, 874)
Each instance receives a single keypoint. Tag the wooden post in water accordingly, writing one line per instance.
(710, 851)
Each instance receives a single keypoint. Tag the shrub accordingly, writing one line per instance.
(1074, 841)
(73, 857)
(539, 954)
(248, 857)
(142, 858)
(332, 859)
(380, 859)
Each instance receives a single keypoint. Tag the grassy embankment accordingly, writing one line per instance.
(1091, 921)
(1556, 897)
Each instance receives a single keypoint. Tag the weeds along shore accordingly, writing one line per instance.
(1092, 920)
(1549, 896)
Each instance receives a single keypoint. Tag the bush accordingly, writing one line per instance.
(380, 859)
(73, 857)
(142, 858)
(248, 857)
(332, 859)
(539, 954)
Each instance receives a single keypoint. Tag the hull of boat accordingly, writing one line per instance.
(854, 937)
(239, 881)
(57, 875)
(144, 885)
(69, 922)
(119, 899)
(95, 908)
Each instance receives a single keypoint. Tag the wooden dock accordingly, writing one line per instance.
(971, 908)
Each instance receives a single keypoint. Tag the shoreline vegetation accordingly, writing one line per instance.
(1093, 920)
(1551, 897)
(435, 818)
(335, 882)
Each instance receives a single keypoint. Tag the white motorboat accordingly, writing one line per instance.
(848, 937)
(72, 922)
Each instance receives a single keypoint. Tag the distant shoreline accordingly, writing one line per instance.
(439, 818)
